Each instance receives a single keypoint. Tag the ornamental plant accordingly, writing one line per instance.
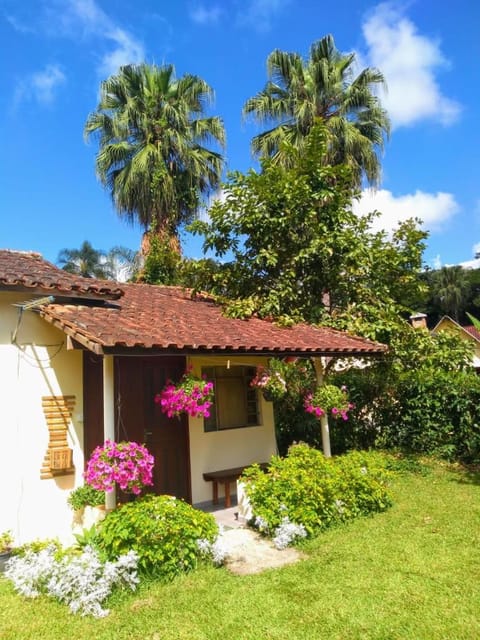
(82, 581)
(127, 463)
(307, 492)
(271, 380)
(85, 496)
(163, 530)
(328, 398)
(191, 395)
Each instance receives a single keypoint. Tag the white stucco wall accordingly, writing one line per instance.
(38, 365)
(228, 448)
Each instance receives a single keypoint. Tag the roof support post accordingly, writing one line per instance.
(109, 416)
(320, 366)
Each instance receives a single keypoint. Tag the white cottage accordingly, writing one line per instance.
(81, 360)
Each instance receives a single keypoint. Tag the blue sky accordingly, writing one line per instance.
(56, 52)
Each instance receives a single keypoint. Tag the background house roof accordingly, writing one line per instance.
(169, 319)
(473, 331)
(447, 320)
(28, 271)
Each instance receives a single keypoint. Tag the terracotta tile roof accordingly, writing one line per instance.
(168, 319)
(474, 332)
(28, 271)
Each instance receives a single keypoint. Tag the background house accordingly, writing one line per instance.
(85, 363)
(469, 333)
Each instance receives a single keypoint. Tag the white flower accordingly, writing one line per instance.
(287, 532)
(83, 582)
(261, 524)
(217, 550)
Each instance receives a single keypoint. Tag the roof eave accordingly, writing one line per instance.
(269, 352)
(63, 294)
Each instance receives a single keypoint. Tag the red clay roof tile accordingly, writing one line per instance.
(167, 319)
(28, 271)
(473, 331)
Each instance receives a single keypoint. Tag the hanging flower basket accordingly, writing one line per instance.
(193, 396)
(127, 464)
(270, 382)
(328, 399)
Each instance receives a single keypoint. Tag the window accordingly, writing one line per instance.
(236, 402)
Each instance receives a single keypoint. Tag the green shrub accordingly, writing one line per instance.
(315, 491)
(421, 411)
(35, 546)
(86, 495)
(434, 413)
(162, 530)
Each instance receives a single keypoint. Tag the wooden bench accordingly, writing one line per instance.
(225, 477)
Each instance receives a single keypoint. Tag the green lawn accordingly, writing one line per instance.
(412, 572)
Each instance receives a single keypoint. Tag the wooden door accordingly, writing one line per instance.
(92, 402)
(139, 418)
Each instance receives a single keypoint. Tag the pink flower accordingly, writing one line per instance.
(191, 395)
(127, 463)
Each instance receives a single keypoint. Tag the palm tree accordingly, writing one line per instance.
(152, 134)
(123, 264)
(86, 261)
(322, 88)
(450, 290)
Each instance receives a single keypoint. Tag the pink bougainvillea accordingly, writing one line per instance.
(127, 463)
(191, 395)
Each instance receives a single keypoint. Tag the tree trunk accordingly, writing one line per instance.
(162, 234)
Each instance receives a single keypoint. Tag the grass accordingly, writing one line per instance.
(411, 572)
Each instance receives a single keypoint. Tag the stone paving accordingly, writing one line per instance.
(248, 552)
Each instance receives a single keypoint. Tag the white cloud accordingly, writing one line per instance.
(41, 86)
(87, 17)
(434, 209)
(259, 14)
(409, 60)
(203, 214)
(19, 25)
(127, 51)
(203, 16)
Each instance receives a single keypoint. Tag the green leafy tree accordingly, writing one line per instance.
(86, 261)
(450, 288)
(153, 138)
(324, 86)
(300, 253)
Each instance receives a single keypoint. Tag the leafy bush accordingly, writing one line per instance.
(315, 491)
(35, 546)
(162, 530)
(434, 413)
(86, 496)
(6, 541)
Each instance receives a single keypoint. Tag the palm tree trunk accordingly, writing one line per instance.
(171, 240)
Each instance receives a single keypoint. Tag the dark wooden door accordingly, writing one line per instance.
(139, 418)
(92, 402)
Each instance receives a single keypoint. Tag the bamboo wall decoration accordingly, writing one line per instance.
(58, 414)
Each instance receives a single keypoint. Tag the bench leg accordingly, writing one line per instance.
(227, 494)
(215, 492)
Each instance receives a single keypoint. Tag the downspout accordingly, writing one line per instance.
(109, 417)
(324, 430)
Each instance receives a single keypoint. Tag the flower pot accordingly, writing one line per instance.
(93, 515)
(268, 395)
(4, 558)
